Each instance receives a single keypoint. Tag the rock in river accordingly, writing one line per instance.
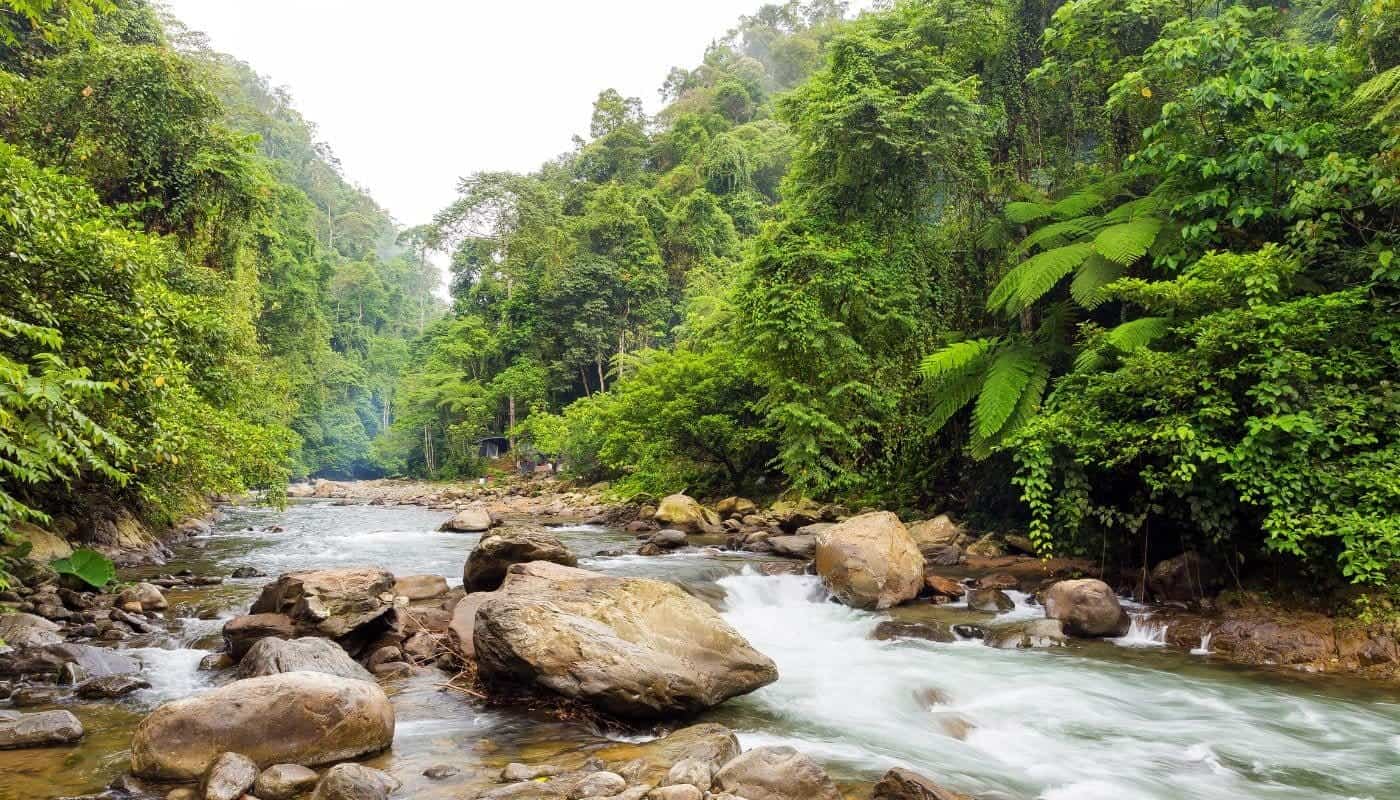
(776, 773)
(870, 561)
(329, 602)
(495, 553)
(304, 718)
(272, 656)
(1086, 607)
(38, 730)
(634, 647)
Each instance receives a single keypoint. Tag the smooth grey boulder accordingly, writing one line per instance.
(273, 656)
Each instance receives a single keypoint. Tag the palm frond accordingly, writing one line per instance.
(1094, 274)
(1138, 333)
(1008, 376)
(1126, 242)
(956, 358)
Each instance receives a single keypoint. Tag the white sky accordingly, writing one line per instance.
(413, 94)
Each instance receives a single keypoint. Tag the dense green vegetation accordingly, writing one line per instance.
(1118, 272)
(192, 298)
(1130, 262)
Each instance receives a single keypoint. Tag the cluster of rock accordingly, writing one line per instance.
(701, 762)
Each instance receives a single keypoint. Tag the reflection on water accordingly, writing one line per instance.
(1093, 721)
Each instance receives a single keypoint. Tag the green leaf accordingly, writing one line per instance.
(1127, 242)
(1138, 333)
(1022, 212)
(1089, 282)
(956, 358)
(89, 566)
(1007, 380)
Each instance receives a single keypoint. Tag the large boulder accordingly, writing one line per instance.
(496, 552)
(684, 513)
(1086, 608)
(44, 729)
(329, 602)
(631, 646)
(306, 718)
(776, 773)
(469, 520)
(870, 561)
(241, 633)
(28, 630)
(273, 656)
(1184, 578)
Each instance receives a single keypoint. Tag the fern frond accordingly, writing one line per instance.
(1128, 241)
(1094, 274)
(1057, 233)
(956, 358)
(1036, 276)
(1021, 212)
(1008, 376)
(1137, 334)
(1078, 204)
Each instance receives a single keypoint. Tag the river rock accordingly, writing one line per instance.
(273, 656)
(632, 646)
(684, 513)
(229, 777)
(469, 520)
(776, 773)
(28, 630)
(650, 762)
(796, 545)
(240, 633)
(329, 602)
(990, 600)
(305, 718)
(1184, 579)
(1086, 607)
(903, 784)
(355, 782)
(495, 553)
(110, 686)
(870, 562)
(51, 659)
(284, 782)
(420, 587)
(43, 729)
(735, 507)
(1033, 634)
(147, 595)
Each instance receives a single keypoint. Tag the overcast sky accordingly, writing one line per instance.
(414, 94)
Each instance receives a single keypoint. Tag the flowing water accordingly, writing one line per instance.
(1120, 720)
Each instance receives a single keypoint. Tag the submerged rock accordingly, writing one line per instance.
(305, 718)
(870, 561)
(776, 773)
(1087, 608)
(631, 646)
(487, 565)
(43, 729)
(272, 656)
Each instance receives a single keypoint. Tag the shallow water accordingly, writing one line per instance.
(1096, 721)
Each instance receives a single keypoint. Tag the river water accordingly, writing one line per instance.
(1094, 721)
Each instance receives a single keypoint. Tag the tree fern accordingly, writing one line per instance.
(1008, 377)
(1094, 274)
(1126, 242)
(956, 358)
(1137, 334)
(1036, 276)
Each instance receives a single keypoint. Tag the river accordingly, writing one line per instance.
(1095, 721)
